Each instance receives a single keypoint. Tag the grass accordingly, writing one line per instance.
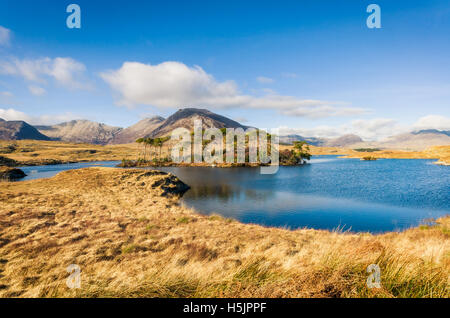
(183, 220)
(33, 152)
(367, 149)
(441, 153)
(132, 241)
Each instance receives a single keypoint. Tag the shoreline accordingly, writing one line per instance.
(33, 153)
(138, 241)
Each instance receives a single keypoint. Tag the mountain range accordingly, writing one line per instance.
(81, 131)
(97, 133)
(17, 130)
(416, 140)
(85, 131)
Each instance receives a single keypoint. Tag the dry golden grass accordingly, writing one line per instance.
(131, 241)
(34, 152)
(442, 153)
(40, 152)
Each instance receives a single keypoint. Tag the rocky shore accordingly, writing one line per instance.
(11, 174)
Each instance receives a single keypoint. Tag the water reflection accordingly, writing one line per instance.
(380, 196)
(377, 196)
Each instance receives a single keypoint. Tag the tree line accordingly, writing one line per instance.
(153, 144)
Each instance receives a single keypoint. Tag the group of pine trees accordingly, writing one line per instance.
(153, 144)
(152, 148)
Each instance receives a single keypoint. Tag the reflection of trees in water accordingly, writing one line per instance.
(259, 195)
(227, 193)
(222, 191)
(223, 184)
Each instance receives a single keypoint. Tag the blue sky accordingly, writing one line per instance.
(312, 67)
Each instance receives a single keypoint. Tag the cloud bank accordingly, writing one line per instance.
(64, 70)
(37, 90)
(372, 129)
(175, 85)
(12, 114)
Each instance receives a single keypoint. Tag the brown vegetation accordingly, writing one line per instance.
(33, 152)
(132, 241)
(442, 153)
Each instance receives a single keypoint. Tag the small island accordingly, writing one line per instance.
(152, 154)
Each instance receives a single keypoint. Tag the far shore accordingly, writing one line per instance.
(34, 153)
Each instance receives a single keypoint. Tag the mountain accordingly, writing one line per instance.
(81, 131)
(289, 140)
(432, 131)
(185, 118)
(418, 140)
(18, 130)
(96, 133)
(142, 128)
(343, 141)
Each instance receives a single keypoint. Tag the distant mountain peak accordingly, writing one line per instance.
(19, 130)
(431, 131)
(142, 128)
(154, 119)
(81, 130)
(184, 118)
(344, 141)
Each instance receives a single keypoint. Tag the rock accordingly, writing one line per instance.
(7, 162)
(10, 174)
(171, 186)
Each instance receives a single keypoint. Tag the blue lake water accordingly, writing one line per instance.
(39, 172)
(329, 193)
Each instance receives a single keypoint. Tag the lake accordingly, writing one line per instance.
(329, 193)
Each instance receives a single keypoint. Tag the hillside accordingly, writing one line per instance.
(185, 118)
(412, 141)
(343, 141)
(289, 140)
(141, 129)
(81, 131)
(19, 130)
(96, 133)
(416, 140)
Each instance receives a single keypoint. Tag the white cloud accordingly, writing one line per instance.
(264, 80)
(377, 128)
(371, 129)
(37, 90)
(13, 114)
(289, 75)
(433, 122)
(368, 129)
(175, 85)
(65, 71)
(5, 36)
